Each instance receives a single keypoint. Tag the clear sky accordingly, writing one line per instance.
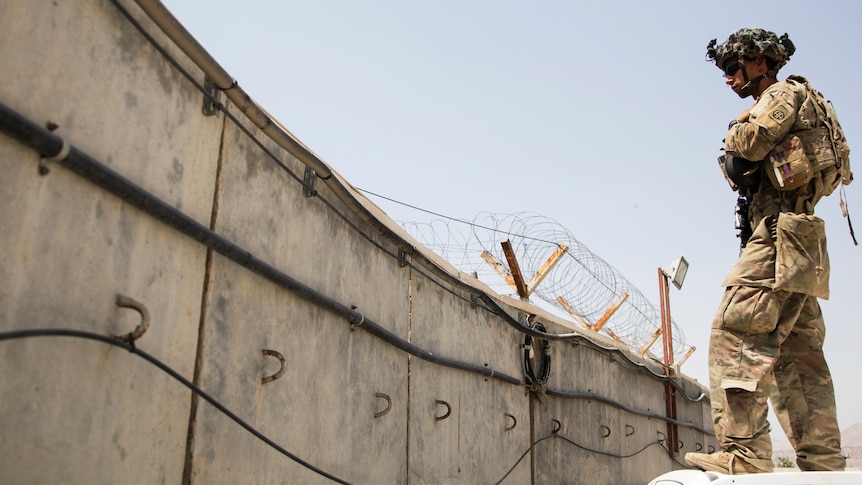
(603, 116)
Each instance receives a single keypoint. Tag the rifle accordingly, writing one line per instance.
(743, 225)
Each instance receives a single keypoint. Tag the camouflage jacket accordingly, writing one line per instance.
(788, 248)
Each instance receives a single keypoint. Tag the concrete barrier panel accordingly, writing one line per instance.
(386, 366)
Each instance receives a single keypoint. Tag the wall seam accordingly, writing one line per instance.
(409, 364)
(205, 293)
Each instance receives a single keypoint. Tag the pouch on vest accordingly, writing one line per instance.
(788, 166)
(801, 260)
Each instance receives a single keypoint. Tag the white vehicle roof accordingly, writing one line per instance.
(697, 477)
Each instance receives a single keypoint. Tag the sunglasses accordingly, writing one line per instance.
(731, 68)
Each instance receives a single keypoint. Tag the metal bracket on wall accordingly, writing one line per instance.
(557, 426)
(64, 152)
(212, 98)
(514, 422)
(448, 410)
(281, 369)
(403, 258)
(126, 302)
(308, 181)
(388, 404)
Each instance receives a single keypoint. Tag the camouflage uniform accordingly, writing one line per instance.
(767, 337)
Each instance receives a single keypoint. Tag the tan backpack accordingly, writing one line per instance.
(825, 144)
(826, 147)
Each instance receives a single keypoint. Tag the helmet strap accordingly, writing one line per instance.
(745, 91)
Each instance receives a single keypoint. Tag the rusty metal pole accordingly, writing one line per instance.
(515, 269)
(664, 296)
(669, 389)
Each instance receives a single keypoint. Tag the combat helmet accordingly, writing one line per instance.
(750, 43)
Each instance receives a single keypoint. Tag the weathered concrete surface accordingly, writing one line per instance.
(75, 411)
(349, 403)
(473, 441)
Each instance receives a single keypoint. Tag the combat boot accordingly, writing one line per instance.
(727, 463)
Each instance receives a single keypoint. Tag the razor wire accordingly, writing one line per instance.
(587, 284)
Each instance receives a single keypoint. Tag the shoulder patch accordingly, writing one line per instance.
(779, 113)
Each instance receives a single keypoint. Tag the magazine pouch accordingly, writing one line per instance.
(788, 166)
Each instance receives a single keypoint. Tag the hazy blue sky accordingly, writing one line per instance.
(603, 116)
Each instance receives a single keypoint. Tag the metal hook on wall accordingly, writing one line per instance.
(448, 410)
(605, 431)
(514, 422)
(630, 430)
(388, 405)
(558, 426)
(281, 370)
(126, 302)
(59, 157)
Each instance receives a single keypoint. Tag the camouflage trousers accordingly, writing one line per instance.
(764, 345)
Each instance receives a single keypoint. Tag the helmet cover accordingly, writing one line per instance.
(748, 44)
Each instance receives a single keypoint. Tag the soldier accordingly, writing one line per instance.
(783, 154)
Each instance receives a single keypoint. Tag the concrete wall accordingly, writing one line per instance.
(76, 410)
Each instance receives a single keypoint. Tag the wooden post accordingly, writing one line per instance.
(622, 298)
(583, 321)
(546, 268)
(651, 341)
(687, 355)
(499, 268)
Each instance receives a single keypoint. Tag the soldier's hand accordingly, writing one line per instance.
(746, 113)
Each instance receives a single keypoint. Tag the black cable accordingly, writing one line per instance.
(543, 353)
(130, 346)
(594, 397)
(612, 455)
(522, 457)
(60, 332)
(492, 306)
(589, 450)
